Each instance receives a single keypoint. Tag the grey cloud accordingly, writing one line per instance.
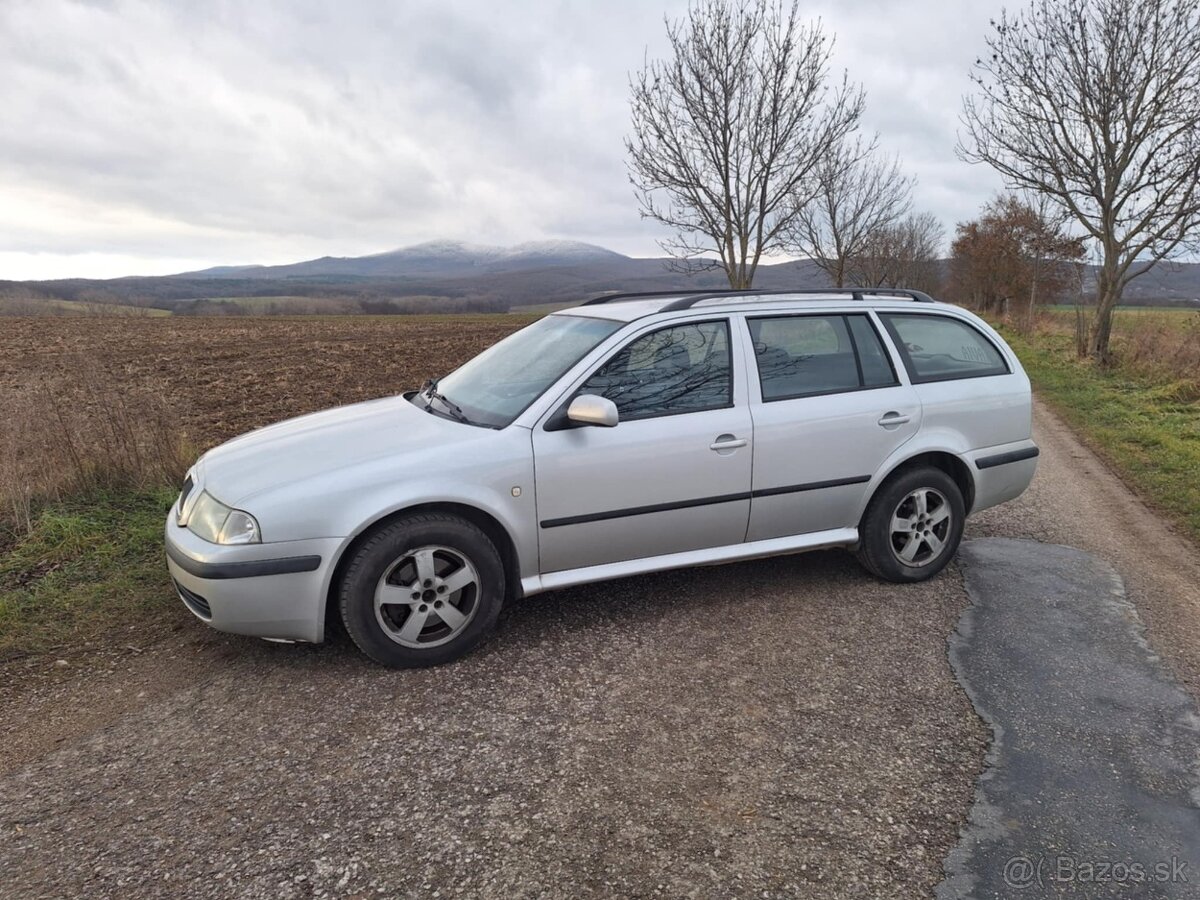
(271, 131)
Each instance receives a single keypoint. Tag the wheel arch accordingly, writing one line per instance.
(484, 521)
(950, 463)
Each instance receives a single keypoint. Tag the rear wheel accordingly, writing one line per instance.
(422, 591)
(912, 526)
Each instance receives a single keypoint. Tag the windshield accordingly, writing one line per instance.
(497, 385)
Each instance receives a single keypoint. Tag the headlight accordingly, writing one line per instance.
(212, 520)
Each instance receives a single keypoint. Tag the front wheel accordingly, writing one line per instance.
(912, 526)
(422, 591)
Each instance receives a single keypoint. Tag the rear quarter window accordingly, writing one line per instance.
(940, 348)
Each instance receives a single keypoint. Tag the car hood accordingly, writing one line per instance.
(296, 449)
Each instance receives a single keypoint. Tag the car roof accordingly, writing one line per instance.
(628, 307)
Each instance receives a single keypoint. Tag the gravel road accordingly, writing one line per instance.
(787, 727)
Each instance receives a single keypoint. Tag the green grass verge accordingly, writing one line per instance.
(1147, 429)
(1127, 318)
(77, 308)
(92, 564)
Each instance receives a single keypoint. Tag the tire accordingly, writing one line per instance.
(439, 582)
(903, 541)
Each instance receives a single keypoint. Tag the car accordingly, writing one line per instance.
(630, 434)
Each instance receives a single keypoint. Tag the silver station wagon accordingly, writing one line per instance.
(631, 434)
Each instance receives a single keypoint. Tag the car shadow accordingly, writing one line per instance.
(631, 604)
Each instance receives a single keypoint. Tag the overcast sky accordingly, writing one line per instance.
(156, 137)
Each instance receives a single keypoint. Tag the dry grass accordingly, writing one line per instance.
(1159, 345)
(61, 439)
(1168, 346)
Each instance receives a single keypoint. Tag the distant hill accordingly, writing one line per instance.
(453, 276)
(435, 258)
(1166, 281)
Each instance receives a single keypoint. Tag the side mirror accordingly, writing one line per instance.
(588, 409)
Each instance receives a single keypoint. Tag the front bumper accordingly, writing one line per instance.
(274, 590)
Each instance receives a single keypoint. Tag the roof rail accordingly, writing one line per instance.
(856, 293)
(634, 295)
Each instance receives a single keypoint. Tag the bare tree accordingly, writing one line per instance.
(858, 194)
(1096, 104)
(727, 131)
(905, 254)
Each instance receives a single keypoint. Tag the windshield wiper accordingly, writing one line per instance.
(430, 392)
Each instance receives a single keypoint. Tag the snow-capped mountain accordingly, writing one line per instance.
(433, 258)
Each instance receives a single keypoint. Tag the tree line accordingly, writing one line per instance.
(746, 144)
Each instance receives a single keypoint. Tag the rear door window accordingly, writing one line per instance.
(807, 355)
(939, 348)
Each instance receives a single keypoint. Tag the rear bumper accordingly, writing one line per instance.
(265, 590)
(1002, 473)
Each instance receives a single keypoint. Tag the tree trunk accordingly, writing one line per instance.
(740, 279)
(1101, 330)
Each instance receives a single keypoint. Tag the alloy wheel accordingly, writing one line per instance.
(427, 597)
(920, 527)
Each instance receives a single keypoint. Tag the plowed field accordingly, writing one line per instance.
(223, 376)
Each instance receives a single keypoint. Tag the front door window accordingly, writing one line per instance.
(681, 369)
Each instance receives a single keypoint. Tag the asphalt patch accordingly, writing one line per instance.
(1092, 780)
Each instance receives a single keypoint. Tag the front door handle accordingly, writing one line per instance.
(727, 442)
(894, 418)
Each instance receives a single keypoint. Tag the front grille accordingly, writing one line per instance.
(194, 602)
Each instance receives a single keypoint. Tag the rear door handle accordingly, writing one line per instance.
(894, 418)
(727, 442)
